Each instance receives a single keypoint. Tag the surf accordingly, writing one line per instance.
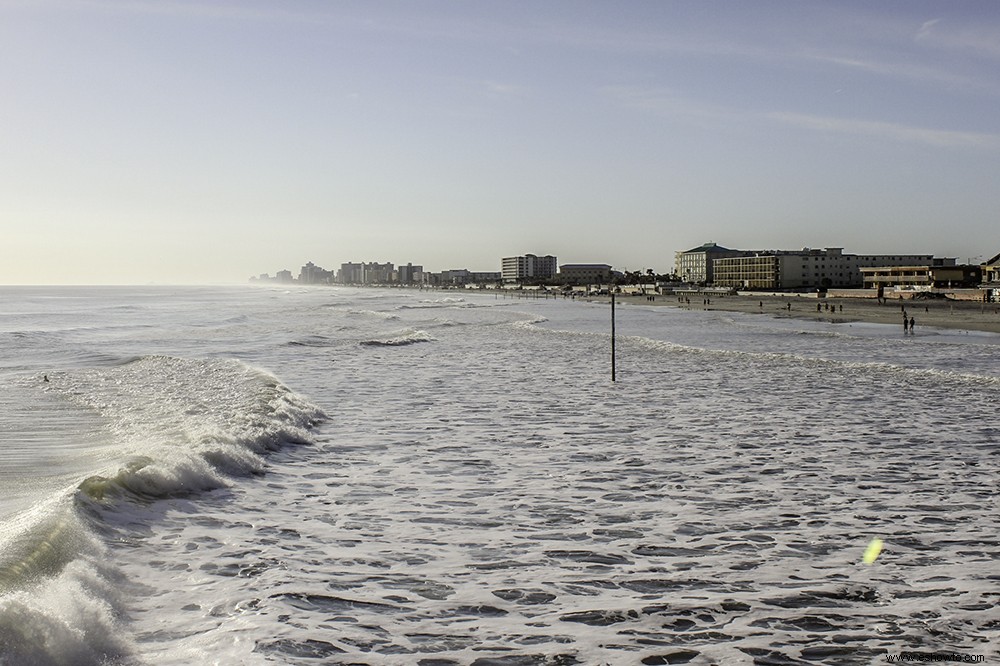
(173, 427)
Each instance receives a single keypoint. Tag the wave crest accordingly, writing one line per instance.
(183, 425)
(408, 337)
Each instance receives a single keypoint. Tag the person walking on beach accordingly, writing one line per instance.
(912, 325)
(906, 325)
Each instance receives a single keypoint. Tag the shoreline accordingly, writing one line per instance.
(960, 315)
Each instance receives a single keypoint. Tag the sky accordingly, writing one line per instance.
(185, 142)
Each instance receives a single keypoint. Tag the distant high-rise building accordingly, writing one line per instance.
(313, 274)
(527, 267)
(410, 274)
(368, 273)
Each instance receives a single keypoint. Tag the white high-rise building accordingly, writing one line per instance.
(528, 267)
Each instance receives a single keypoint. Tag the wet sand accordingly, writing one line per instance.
(964, 315)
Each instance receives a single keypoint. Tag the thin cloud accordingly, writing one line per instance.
(667, 102)
(891, 131)
(651, 40)
(193, 9)
(981, 38)
(664, 101)
(899, 70)
(497, 89)
(925, 29)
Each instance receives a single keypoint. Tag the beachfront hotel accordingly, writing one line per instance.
(938, 276)
(781, 270)
(696, 266)
(527, 267)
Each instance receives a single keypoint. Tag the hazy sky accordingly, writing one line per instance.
(196, 141)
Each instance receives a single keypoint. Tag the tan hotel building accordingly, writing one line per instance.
(804, 269)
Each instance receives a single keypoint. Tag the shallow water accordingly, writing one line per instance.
(400, 477)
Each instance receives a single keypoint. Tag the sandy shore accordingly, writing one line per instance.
(938, 314)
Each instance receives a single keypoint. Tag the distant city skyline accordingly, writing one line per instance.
(692, 265)
(203, 142)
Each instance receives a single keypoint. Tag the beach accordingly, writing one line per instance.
(961, 315)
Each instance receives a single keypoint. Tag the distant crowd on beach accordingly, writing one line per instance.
(938, 314)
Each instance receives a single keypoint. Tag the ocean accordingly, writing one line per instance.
(290, 475)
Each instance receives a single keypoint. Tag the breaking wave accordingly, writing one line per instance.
(409, 337)
(176, 427)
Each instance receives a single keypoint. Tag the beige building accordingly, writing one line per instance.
(696, 265)
(939, 276)
(803, 269)
(758, 271)
(991, 279)
(991, 272)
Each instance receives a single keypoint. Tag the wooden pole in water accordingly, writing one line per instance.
(612, 334)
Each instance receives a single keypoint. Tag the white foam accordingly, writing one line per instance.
(183, 424)
(60, 596)
(400, 339)
(492, 496)
(74, 618)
